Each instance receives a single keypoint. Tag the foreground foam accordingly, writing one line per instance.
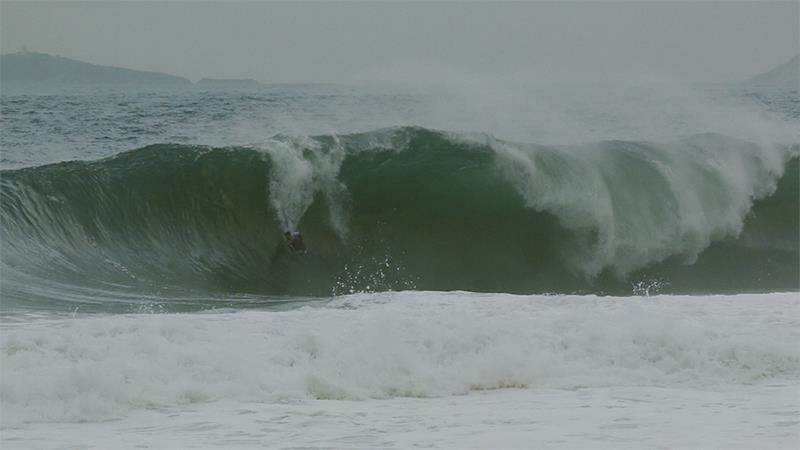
(419, 344)
(741, 417)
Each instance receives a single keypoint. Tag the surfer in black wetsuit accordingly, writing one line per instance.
(294, 242)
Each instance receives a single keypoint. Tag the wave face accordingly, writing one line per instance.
(408, 208)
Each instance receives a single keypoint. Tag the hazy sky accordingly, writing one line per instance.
(380, 41)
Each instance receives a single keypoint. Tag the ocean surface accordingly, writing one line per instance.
(485, 267)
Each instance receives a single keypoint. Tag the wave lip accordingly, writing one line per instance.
(410, 207)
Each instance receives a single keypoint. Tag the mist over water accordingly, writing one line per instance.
(87, 122)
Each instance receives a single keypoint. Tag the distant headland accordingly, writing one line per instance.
(28, 67)
(34, 68)
(40, 68)
(785, 77)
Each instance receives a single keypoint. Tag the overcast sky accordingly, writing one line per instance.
(358, 41)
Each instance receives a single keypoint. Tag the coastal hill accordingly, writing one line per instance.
(784, 77)
(33, 67)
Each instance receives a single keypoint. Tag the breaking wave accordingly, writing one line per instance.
(408, 208)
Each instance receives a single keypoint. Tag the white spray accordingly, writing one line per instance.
(300, 170)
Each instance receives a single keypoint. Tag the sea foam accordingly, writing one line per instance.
(407, 344)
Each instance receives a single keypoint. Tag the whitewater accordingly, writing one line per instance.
(448, 370)
(559, 267)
